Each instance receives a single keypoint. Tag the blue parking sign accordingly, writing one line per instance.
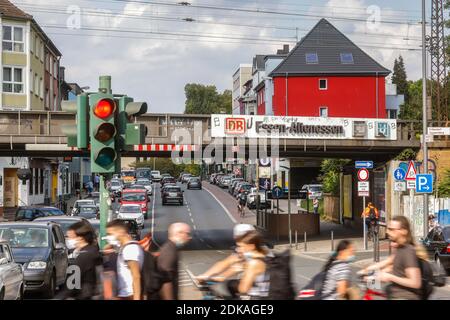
(424, 183)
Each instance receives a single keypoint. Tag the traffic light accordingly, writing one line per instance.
(131, 133)
(103, 131)
(77, 135)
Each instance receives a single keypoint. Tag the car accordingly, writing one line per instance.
(251, 198)
(225, 182)
(78, 203)
(131, 211)
(63, 221)
(143, 173)
(96, 197)
(146, 183)
(128, 176)
(180, 177)
(315, 191)
(116, 187)
(172, 193)
(11, 275)
(31, 213)
(40, 248)
(212, 177)
(88, 212)
(218, 178)
(185, 178)
(437, 244)
(165, 175)
(166, 186)
(245, 187)
(167, 180)
(236, 188)
(155, 175)
(233, 184)
(194, 183)
(136, 196)
(138, 187)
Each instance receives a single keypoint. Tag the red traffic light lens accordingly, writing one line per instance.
(104, 108)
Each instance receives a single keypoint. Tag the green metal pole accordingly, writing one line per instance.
(104, 208)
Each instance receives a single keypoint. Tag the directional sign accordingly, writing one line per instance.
(363, 174)
(424, 183)
(399, 186)
(399, 174)
(411, 173)
(277, 192)
(364, 164)
(439, 131)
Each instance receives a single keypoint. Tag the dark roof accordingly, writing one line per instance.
(7, 9)
(328, 42)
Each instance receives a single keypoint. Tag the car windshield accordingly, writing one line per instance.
(115, 183)
(130, 209)
(25, 214)
(25, 237)
(84, 203)
(86, 209)
(52, 211)
(127, 173)
(246, 186)
(143, 182)
(315, 188)
(173, 189)
(133, 197)
(194, 180)
(64, 224)
(446, 232)
(143, 174)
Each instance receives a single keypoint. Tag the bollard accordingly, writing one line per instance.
(306, 247)
(296, 242)
(332, 241)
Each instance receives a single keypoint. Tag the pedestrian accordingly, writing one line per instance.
(168, 259)
(97, 182)
(130, 260)
(401, 270)
(432, 222)
(316, 205)
(81, 238)
(255, 280)
(337, 284)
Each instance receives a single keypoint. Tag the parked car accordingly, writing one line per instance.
(11, 275)
(88, 212)
(217, 178)
(236, 188)
(136, 196)
(437, 243)
(244, 188)
(78, 203)
(185, 178)
(40, 248)
(131, 211)
(314, 190)
(212, 177)
(31, 213)
(96, 197)
(168, 180)
(63, 221)
(172, 193)
(233, 184)
(156, 176)
(194, 183)
(116, 187)
(146, 183)
(251, 198)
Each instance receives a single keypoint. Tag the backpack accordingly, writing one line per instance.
(280, 278)
(151, 279)
(372, 214)
(313, 290)
(432, 277)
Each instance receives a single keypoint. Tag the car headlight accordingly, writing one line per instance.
(37, 265)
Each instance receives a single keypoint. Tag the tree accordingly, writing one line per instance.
(406, 155)
(444, 186)
(412, 109)
(399, 77)
(201, 99)
(331, 169)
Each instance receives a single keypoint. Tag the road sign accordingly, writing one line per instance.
(400, 186)
(439, 131)
(363, 189)
(363, 174)
(411, 184)
(277, 192)
(411, 173)
(364, 164)
(399, 174)
(424, 183)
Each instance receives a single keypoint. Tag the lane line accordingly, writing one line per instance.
(195, 228)
(222, 205)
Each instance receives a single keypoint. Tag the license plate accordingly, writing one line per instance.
(172, 194)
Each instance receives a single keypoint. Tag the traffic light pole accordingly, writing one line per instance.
(104, 208)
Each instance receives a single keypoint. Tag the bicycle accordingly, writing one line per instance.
(366, 283)
(241, 210)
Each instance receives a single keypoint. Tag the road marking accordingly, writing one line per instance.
(195, 228)
(192, 220)
(221, 204)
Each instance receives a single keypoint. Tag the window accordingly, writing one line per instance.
(347, 58)
(13, 39)
(392, 114)
(55, 66)
(41, 181)
(36, 181)
(36, 51)
(323, 84)
(32, 82)
(312, 58)
(12, 80)
(41, 88)
(36, 84)
(32, 44)
(42, 51)
(47, 99)
(50, 67)
(31, 183)
(323, 112)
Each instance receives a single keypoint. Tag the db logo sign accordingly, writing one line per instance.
(234, 125)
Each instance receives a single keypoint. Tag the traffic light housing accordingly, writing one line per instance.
(78, 134)
(131, 133)
(103, 132)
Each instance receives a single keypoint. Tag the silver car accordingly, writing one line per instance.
(11, 275)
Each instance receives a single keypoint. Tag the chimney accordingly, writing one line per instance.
(286, 49)
(62, 73)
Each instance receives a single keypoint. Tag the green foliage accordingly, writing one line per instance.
(412, 109)
(201, 99)
(166, 165)
(406, 155)
(444, 186)
(331, 169)
(399, 77)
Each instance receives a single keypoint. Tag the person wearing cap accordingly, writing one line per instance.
(232, 264)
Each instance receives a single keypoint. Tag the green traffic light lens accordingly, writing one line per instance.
(106, 157)
(106, 131)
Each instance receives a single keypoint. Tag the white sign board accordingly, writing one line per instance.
(400, 186)
(363, 189)
(439, 131)
(411, 184)
(223, 126)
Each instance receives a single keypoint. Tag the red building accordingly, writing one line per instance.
(326, 74)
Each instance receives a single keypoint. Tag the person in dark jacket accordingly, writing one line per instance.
(82, 238)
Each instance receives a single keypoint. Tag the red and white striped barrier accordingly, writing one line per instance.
(165, 147)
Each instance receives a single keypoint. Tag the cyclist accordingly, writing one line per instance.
(372, 218)
(242, 200)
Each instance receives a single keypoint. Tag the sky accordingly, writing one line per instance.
(151, 52)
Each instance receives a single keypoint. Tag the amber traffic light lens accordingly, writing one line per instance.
(106, 131)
